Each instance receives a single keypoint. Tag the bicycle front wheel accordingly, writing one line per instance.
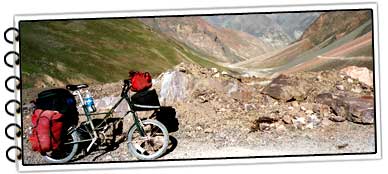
(66, 151)
(150, 146)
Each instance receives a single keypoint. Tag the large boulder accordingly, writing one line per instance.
(174, 86)
(287, 88)
(354, 109)
(362, 74)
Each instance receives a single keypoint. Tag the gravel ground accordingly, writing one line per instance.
(230, 136)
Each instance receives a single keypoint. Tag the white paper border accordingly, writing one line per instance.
(216, 10)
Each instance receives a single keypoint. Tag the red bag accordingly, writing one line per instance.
(140, 81)
(47, 130)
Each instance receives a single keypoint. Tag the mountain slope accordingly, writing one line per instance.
(335, 24)
(330, 31)
(55, 53)
(294, 24)
(279, 29)
(224, 45)
(258, 25)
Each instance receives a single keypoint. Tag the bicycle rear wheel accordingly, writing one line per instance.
(152, 145)
(66, 152)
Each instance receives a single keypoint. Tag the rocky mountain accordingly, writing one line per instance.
(336, 24)
(336, 39)
(279, 29)
(223, 45)
(294, 24)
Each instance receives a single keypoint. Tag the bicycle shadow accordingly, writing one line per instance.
(171, 145)
(117, 137)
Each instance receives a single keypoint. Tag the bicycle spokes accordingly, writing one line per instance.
(151, 142)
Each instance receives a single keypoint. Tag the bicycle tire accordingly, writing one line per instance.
(135, 151)
(67, 158)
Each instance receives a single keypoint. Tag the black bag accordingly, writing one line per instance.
(168, 117)
(61, 100)
(149, 99)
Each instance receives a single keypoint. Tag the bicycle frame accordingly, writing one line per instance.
(96, 128)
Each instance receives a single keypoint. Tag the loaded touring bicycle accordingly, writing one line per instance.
(146, 139)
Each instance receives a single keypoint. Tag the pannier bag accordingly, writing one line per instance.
(47, 130)
(61, 100)
(145, 100)
(140, 81)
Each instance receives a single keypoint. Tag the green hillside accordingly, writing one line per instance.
(94, 51)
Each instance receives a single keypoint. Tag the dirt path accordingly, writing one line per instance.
(324, 141)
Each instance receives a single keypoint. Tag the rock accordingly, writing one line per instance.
(326, 122)
(214, 70)
(312, 121)
(295, 104)
(338, 106)
(222, 110)
(249, 107)
(224, 73)
(319, 78)
(287, 119)
(316, 108)
(309, 112)
(198, 128)
(286, 88)
(174, 87)
(268, 119)
(336, 118)
(264, 126)
(362, 74)
(208, 130)
(181, 69)
(342, 146)
(281, 128)
(340, 87)
(216, 75)
(349, 80)
(357, 90)
(299, 122)
(354, 109)
(361, 109)
(203, 99)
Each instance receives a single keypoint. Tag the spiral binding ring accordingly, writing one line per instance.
(18, 133)
(17, 86)
(17, 61)
(5, 35)
(18, 110)
(18, 156)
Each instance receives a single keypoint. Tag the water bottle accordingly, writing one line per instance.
(89, 102)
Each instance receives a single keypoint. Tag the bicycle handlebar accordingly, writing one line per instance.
(126, 82)
(126, 87)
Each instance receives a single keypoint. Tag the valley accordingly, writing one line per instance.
(249, 85)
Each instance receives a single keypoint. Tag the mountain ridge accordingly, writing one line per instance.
(224, 45)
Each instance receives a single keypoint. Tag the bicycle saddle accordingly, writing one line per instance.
(76, 87)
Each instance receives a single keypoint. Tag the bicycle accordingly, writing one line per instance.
(147, 139)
